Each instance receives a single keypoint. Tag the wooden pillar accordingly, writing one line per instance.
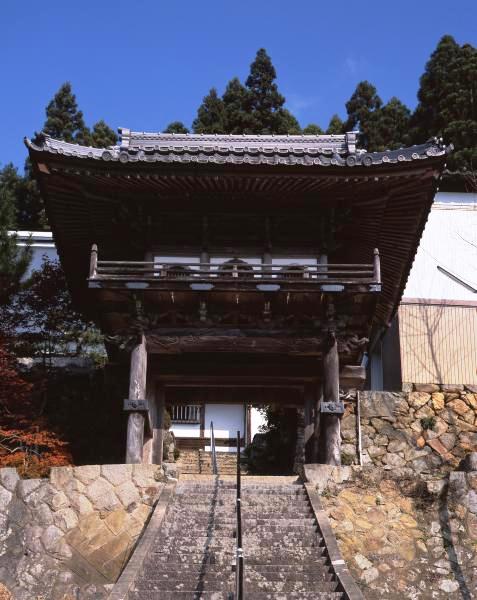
(309, 394)
(137, 391)
(158, 431)
(331, 426)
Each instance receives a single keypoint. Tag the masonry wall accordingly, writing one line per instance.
(69, 536)
(427, 430)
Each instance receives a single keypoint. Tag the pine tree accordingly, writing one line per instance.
(336, 126)
(29, 207)
(102, 135)
(391, 126)
(63, 119)
(14, 260)
(313, 129)
(264, 100)
(448, 102)
(176, 127)
(361, 108)
(235, 99)
(210, 115)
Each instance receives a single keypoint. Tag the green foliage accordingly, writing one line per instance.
(210, 115)
(102, 135)
(335, 126)
(428, 422)
(264, 101)
(176, 127)
(381, 126)
(273, 450)
(29, 207)
(63, 119)
(49, 326)
(313, 129)
(14, 260)
(235, 98)
(448, 101)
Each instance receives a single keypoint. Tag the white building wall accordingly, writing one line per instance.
(449, 241)
(227, 420)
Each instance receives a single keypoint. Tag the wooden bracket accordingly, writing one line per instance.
(136, 405)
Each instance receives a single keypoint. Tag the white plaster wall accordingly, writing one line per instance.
(187, 430)
(227, 419)
(450, 241)
(257, 420)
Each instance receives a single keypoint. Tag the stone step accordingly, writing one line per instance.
(225, 595)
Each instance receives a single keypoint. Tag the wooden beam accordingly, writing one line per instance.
(158, 438)
(137, 391)
(331, 423)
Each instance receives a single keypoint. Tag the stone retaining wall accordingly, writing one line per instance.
(69, 536)
(426, 430)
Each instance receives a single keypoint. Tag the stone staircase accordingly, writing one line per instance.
(194, 550)
(199, 462)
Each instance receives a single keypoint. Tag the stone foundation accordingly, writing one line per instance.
(69, 536)
(405, 537)
(427, 430)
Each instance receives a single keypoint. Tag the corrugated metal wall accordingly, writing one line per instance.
(438, 342)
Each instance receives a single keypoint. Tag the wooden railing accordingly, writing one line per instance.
(233, 271)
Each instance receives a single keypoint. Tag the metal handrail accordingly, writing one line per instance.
(215, 471)
(239, 567)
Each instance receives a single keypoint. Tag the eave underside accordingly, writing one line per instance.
(119, 206)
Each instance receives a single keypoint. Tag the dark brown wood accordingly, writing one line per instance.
(331, 423)
(303, 346)
(309, 400)
(137, 390)
(158, 437)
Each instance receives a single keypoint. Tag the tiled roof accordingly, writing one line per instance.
(308, 150)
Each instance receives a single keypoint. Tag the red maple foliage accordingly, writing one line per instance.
(26, 441)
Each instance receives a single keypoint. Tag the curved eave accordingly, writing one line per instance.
(293, 154)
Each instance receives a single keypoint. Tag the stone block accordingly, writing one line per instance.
(51, 537)
(438, 446)
(127, 493)
(438, 401)
(80, 503)
(375, 451)
(101, 494)
(9, 478)
(116, 546)
(117, 520)
(116, 474)
(439, 427)
(141, 513)
(394, 460)
(458, 406)
(65, 519)
(144, 475)
(448, 440)
(452, 388)
(471, 388)
(380, 404)
(43, 515)
(87, 474)
(5, 498)
(427, 387)
(472, 480)
(58, 500)
(418, 399)
(59, 476)
(397, 446)
(27, 486)
(471, 400)
(472, 501)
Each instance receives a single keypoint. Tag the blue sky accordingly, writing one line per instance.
(144, 63)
